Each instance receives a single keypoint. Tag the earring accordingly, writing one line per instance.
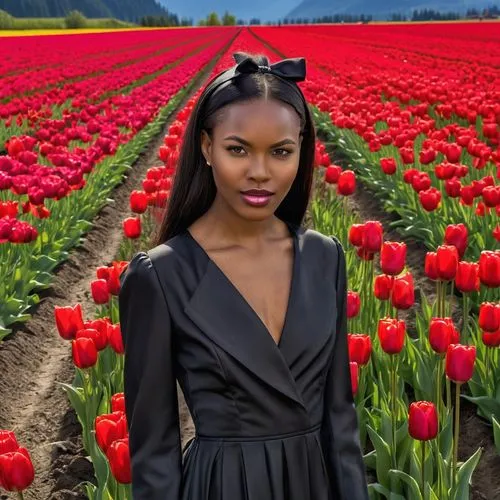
(208, 163)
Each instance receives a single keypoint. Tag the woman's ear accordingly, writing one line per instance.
(206, 147)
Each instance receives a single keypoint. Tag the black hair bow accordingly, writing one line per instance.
(289, 69)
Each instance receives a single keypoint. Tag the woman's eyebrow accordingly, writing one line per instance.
(246, 143)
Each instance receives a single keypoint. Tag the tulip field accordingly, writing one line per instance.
(408, 122)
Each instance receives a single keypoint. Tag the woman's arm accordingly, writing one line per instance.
(340, 434)
(150, 385)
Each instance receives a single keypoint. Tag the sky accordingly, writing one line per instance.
(265, 10)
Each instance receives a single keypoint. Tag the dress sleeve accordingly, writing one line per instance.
(149, 383)
(340, 433)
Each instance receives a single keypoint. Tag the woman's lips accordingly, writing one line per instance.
(256, 199)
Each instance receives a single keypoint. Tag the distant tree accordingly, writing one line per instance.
(202, 22)
(75, 20)
(228, 19)
(6, 20)
(241, 22)
(254, 21)
(213, 19)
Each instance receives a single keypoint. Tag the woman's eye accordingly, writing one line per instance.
(235, 149)
(283, 152)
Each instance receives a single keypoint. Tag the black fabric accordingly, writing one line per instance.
(273, 421)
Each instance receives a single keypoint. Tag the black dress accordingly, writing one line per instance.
(273, 421)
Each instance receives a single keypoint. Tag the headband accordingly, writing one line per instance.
(292, 70)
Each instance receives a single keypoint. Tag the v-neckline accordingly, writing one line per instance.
(291, 291)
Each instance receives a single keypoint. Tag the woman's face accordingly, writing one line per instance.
(254, 154)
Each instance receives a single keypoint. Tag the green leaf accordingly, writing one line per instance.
(489, 406)
(383, 456)
(461, 490)
(414, 490)
(496, 433)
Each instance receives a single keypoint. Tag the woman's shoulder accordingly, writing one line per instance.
(320, 242)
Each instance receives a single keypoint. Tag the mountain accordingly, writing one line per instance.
(128, 10)
(265, 10)
(380, 9)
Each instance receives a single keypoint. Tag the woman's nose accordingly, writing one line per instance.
(259, 170)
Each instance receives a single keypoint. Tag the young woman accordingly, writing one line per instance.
(245, 309)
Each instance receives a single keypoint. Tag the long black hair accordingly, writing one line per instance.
(194, 190)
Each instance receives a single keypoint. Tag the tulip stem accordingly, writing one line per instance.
(465, 336)
(20, 495)
(423, 468)
(487, 366)
(455, 440)
(393, 412)
(450, 302)
(448, 393)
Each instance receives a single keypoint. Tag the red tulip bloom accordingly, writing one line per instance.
(109, 428)
(356, 234)
(457, 235)
(430, 199)
(138, 201)
(346, 184)
(68, 320)
(442, 333)
(460, 362)
(491, 339)
(491, 196)
(16, 470)
(489, 316)
(447, 262)
(467, 278)
(360, 348)
(403, 292)
(382, 286)
(8, 442)
(354, 376)
(84, 352)
(393, 257)
(489, 268)
(332, 174)
(372, 236)
(119, 461)
(431, 270)
(115, 338)
(391, 333)
(100, 292)
(132, 227)
(118, 402)
(353, 304)
(423, 421)
(388, 165)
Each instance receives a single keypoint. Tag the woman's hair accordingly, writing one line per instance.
(194, 190)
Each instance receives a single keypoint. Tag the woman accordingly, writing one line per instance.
(246, 309)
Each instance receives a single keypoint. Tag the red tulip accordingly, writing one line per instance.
(460, 362)
(447, 262)
(353, 304)
(442, 333)
(132, 227)
(403, 292)
(491, 339)
(382, 286)
(423, 421)
(332, 174)
(489, 316)
(356, 234)
(391, 333)
(346, 184)
(430, 198)
(8, 442)
(354, 367)
(16, 470)
(489, 268)
(109, 428)
(372, 236)
(100, 292)
(138, 201)
(431, 270)
(115, 338)
(393, 257)
(68, 320)
(453, 152)
(457, 235)
(99, 337)
(467, 278)
(84, 352)
(388, 165)
(491, 196)
(118, 402)
(119, 460)
(360, 348)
